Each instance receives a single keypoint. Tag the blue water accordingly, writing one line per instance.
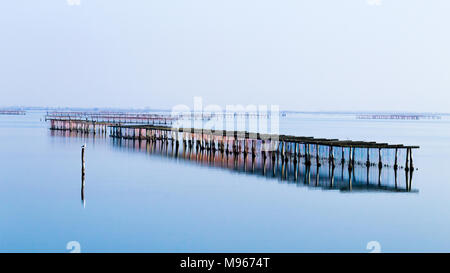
(141, 201)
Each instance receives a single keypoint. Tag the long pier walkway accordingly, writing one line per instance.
(309, 150)
(313, 150)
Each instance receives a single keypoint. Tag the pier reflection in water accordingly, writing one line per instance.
(285, 170)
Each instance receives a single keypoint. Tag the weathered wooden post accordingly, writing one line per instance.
(287, 151)
(353, 156)
(263, 149)
(245, 147)
(253, 147)
(317, 155)
(368, 158)
(331, 156)
(221, 145)
(191, 141)
(407, 160)
(83, 162)
(350, 160)
(380, 160)
(227, 146)
(411, 165)
(396, 159)
(308, 155)
(83, 171)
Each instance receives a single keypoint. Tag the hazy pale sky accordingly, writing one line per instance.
(301, 55)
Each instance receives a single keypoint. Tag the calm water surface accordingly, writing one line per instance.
(136, 200)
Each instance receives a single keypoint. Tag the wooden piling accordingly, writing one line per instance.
(407, 160)
(83, 171)
(396, 159)
(350, 160)
(83, 163)
(317, 156)
(380, 160)
(368, 158)
(411, 165)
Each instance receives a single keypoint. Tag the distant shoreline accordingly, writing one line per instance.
(285, 112)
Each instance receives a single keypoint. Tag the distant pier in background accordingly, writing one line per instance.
(98, 122)
(12, 112)
(398, 116)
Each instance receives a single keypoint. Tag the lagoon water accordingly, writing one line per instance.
(137, 201)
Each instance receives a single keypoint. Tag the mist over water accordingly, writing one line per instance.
(142, 196)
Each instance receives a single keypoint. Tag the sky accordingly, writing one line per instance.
(315, 55)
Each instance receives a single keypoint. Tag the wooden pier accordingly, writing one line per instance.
(289, 148)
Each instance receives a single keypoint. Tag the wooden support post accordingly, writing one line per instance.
(83, 162)
(368, 158)
(245, 147)
(407, 160)
(350, 160)
(380, 160)
(306, 148)
(287, 151)
(317, 155)
(411, 165)
(353, 156)
(332, 156)
(295, 152)
(263, 149)
(253, 147)
(396, 159)
(83, 173)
